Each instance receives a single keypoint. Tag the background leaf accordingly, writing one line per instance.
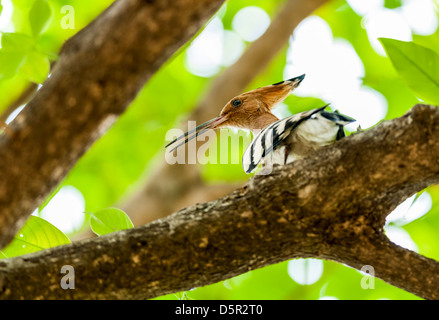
(419, 66)
(39, 17)
(17, 43)
(20, 54)
(36, 67)
(10, 63)
(119, 163)
(392, 4)
(109, 220)
(37, 234)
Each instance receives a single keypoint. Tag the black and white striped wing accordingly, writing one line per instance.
(271, 138)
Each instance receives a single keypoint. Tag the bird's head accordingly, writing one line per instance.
(247, 110)
(250, 110)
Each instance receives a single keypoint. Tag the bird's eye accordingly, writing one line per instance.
(236, 103)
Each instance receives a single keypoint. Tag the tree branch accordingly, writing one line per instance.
(99, 73)
(331, 205)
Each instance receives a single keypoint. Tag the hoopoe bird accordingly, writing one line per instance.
(276, 141)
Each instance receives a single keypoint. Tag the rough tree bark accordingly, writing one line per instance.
(331, 205)
(172, 187)
(99, 73)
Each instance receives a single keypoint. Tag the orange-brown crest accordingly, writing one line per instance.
(252, 110)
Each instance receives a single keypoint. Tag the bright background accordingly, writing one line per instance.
(345, 65)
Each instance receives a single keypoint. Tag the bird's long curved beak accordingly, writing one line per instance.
(191, 134)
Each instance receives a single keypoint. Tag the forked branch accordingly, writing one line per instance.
(331, 205)
(99, 73)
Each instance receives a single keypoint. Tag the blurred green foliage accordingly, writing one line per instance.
(418, 65)
(109, 220)
(392, 4)
(37, 234)
(117, 164)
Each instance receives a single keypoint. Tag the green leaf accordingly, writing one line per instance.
(299, 104)
(36, 67)
(20, 53)
(109, 220)
(418, 66)
(10, 63)
(39, 17)
(392, 4)
(17, 43)
(37, 234)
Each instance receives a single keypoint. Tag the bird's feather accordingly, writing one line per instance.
(327, 129)
(271, 137)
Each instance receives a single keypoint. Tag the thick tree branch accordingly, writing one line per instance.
(172, 187)
(331, 205)
(99, 73)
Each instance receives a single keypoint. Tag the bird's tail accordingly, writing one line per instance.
(337, 117)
